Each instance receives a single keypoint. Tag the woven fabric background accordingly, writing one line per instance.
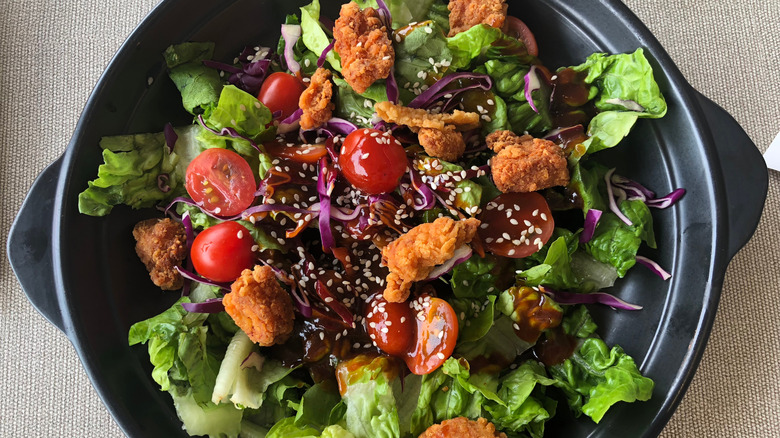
(53, 52)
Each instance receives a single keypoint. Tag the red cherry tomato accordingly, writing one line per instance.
(390, 325)
(280, 92)
(514, 27)
(221, 182)
(372, 161)
(307, 153)
(221, 252)
(516, 225)
(437, 331)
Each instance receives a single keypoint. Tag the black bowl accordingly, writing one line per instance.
(82, 274)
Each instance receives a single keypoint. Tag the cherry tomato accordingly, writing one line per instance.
(390, 325)
(513, 26)
(280, 92)
(306, 153)
(437, 331)
(221, 182)
(221, 252)
(516, 225)
(372, 161)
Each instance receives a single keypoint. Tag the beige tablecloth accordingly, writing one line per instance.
(52, 53)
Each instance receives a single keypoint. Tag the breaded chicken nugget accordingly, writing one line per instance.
(416, 118)
(413, 256)
(464, 14)
(315, 101)
(526, 164)
(260, 307)
(447, 143)
(363, 45)
(462, 427)
(162, 245)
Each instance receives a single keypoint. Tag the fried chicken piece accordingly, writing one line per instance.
(315, 101)
(526, 164)
(416, 118)
(464, 14)
(365, 49)
(260, 307)
(462, 427)
(413, 256)
(447, 144)
(162, 245)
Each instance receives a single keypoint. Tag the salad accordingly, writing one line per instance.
(388, 225)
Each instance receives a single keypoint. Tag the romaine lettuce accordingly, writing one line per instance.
(199, 85)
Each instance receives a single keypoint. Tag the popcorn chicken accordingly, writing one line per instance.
(162, 245)
(260, 307)
(462, 427)
(413, 256)
(526, 164)
(315, 101)
(447, 144)
(464, 14)
(416, 118)
(363, 45)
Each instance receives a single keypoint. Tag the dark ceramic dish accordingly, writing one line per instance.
(82, 274)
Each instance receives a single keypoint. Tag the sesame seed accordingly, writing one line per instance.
(240, 234)
(441, 355)
(543, 216)
(322, 336)
(535, 213)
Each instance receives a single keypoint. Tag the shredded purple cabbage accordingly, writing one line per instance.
(633, 191)
(630, 105)
(195, 277)
(170, 137)
(422, 194)
(162, 182)
(391, 87)
(666, 201)
(186, 221)
(532, 83)
(611, 198)
(436, 92)
(291, 123)
(291, 33)
(653, 266)
(213, 305)
(591, 220)
(227, 132)
(459, 256)
(590, 298)
(326, 181)
(324, 54)
(301, 300)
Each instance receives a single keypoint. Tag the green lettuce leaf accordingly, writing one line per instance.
(596, 377)
(587, 180)
(616, 243)
(473, 278)
(556, 271)
(199, 85)
(626, 91)
(131, 167)
(358, 108)
(422, 54)
(313, 35)
(526, 407)
(241, 111)
(482, 43)
(368, 395)
(475, 317)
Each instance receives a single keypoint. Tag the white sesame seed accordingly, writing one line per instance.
(441, 355)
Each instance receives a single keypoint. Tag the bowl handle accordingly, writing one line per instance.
(30, 245)
(744, 172)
